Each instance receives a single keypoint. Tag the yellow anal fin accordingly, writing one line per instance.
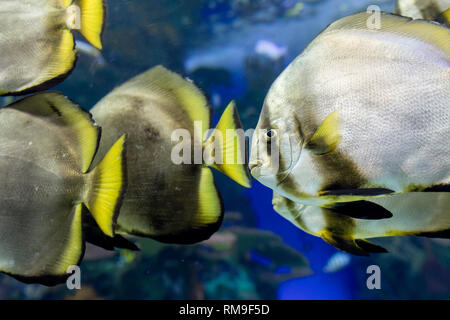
(107, 183)
(59, 110)
(210, 207)
(227, 146)
(74, 248)
(327, 136)
(91, 14)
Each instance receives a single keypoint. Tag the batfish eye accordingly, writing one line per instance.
(270, 134)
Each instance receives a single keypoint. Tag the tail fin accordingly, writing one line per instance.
(232, 149)
(92, 16)
(107, 187)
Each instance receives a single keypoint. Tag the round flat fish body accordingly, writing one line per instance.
(377, 99)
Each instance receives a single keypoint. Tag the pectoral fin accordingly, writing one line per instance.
(361, 210)
(327, 137)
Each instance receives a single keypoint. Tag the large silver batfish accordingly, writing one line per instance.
(363, 112)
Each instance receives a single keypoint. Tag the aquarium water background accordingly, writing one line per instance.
(232, 49)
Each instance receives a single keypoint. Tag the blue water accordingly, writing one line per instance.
(318, 286)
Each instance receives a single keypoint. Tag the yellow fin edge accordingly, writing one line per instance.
(209, 202)
(107, 186)
(186, 93)
(74, 245)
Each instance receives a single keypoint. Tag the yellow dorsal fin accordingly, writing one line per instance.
(327, 137)
(229, 150)
(426, 31)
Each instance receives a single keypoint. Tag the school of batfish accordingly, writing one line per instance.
(353, 138)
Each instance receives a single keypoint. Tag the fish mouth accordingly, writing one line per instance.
(255, 164)
(255, 168)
